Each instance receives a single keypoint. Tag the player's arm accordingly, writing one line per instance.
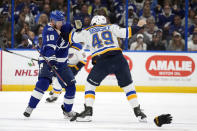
(77, 37)
(121, 32)
(65, 31)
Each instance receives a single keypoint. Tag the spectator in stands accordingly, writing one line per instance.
(24, 44)
(43, 19)
(29, 18)
(87, 21)
(139, 44)
(40, 40)
(83, 13)
(150, 27)
(131, 16)
(178, 8)
(46, 10)
(133, 39)
(93, 8)
(177, 26)
(191, 28)
(177, 43)
(119, 9)
(194, 5)
(194, 32)
(4, 42)
(191, 19)
(156, 43)
(146, 12)
(162, 40)
(139, 4)
(38, 33)
(192, 44)
(165, 18)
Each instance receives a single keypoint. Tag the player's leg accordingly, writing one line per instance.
(55, 93)
(70, 88)
(123, 76)
(42, 85)
(97, 74)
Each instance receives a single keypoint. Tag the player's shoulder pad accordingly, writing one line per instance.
(48, 30)
(77, 46)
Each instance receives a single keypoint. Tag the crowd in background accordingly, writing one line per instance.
(164, 29)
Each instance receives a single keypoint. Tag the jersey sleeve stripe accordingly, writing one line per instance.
(70, 35)
(75, 48)
(51, 45)
(83, 62)
(74, 66)
(130, 32)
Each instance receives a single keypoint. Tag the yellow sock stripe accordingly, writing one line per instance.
(90, 96)
(131, 96)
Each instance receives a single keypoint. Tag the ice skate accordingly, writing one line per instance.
(139, 114)
(28, 111)
(51, 99)
(68, 115)
(85, 116)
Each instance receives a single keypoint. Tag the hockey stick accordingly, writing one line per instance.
(19, 55)
(52, 68)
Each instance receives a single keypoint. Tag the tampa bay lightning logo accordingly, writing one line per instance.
(62, 43)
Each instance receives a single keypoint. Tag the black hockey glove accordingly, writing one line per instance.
(163, 119)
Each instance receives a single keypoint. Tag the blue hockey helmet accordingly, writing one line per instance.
(57, 15)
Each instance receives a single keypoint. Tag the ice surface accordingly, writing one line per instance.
(111, 113)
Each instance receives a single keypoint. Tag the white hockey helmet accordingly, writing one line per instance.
(98, 20)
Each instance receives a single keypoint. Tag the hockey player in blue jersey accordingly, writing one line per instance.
(55, 49)
(76, 60)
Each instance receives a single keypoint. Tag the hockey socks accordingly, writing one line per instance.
(131, 95)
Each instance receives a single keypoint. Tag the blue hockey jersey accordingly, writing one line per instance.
(54, 47)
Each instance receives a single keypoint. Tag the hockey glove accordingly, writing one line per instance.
(163, 119)
(78, 25)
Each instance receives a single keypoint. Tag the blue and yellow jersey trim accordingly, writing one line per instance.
(70, 37)
(130, 32)
(83, 62)
(76, 46)
(75, 66)
(95, 26)
(104, 50)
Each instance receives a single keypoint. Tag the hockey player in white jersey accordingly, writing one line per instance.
(108, 59)
(76, 60)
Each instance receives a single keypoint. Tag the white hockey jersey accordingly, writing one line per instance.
(100, 38)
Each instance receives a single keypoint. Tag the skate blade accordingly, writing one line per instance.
(142, 120)
(85, 119)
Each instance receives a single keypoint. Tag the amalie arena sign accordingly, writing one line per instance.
(168, 65)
